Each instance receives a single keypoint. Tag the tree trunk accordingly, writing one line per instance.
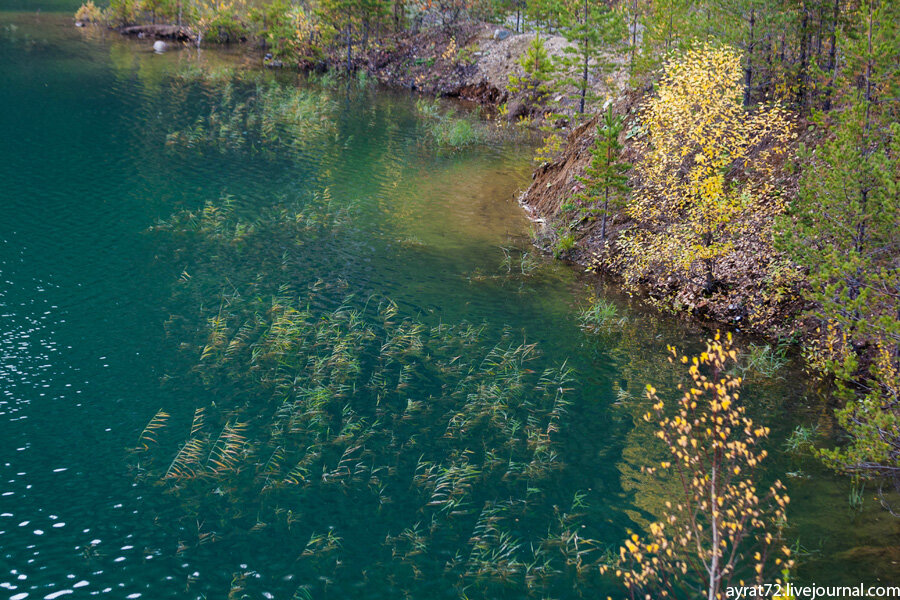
(584, 79)
(609, 161)
(669, 31)
(713, 570)
(714, 530)
(605, 213)
(855, 282)
(832, 56)
(781, 56)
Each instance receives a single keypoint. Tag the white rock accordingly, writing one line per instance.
(160, 46)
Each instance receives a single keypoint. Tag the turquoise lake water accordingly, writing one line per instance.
(395, 392)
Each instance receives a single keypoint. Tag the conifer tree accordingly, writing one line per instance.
(605, 178)
(843, 228)
(590, 27)
(544, 13)
(668, 25)
(535, 82)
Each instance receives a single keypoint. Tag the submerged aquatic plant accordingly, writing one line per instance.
(856, 497)
(328, 404)
(802, 439)
(224, 221)
(447, 129)
(516, 265)
(149, 434)
(455, 133)
(765, 359)
(345, 400)
(269, 120)
(600, 315)
(518, 262)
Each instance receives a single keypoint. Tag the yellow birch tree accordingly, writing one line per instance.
(721, 529)
(704, 169)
